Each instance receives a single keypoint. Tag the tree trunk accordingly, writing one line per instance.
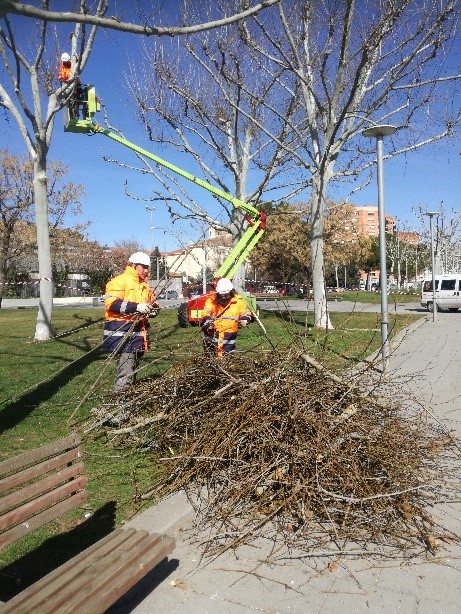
(3, 260)
(45, 304)
(239, 278)
(321, 317)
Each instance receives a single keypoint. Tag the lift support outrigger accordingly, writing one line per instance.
(256, 218)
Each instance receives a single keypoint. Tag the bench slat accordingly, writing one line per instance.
(18, 497)
(17, 479)
(39, 520)
(96, 578)
(28, 510)
(27, 458)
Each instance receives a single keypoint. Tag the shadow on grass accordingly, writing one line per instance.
(16, 411)
(55, 551)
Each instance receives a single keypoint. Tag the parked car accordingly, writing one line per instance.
(169, 294)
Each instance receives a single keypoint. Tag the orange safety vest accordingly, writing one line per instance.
(65, 71)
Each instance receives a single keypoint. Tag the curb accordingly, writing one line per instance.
(165, 516)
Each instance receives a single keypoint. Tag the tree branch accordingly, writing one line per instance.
(111, 23)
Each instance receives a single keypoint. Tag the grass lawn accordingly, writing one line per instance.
(374, 298)
(48, 390)
(361, 296)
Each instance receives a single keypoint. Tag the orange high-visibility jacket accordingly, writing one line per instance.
(225, 319)
(123, 293)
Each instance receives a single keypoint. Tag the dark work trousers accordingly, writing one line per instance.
(127, 366)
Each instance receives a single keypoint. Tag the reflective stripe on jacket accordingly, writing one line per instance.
(226, 320)
(123, 293)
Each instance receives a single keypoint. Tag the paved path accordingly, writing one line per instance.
(394, 306)
(426, 363)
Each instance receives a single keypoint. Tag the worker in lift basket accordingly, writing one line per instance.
(64, 74)
(225, 312)
(129, 301)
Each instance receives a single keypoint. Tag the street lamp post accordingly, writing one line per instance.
(431, 225)
(379, 132)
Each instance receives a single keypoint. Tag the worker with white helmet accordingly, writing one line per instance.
(65, 70)
(129, 301)
(78, 100)
(225, 312)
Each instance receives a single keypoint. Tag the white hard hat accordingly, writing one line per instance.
(139, 258)
(224, 286)
(65, 57)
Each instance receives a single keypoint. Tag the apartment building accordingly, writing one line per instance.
(366, 221)
(191, 260)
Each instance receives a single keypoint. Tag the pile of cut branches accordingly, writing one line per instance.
(275, 444)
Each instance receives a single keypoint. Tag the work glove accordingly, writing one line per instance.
(243, 323)
(143, 308)
(207, 327)
(153, 310)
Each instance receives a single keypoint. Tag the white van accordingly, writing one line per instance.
(447, 292)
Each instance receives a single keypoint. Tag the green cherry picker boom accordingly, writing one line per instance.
(191, 312)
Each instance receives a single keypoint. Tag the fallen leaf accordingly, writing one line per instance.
(178, 584)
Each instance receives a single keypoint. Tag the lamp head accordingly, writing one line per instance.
(382, 130)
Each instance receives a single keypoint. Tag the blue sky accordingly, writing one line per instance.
(425, 178)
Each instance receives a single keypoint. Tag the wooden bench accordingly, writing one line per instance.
(41, 485)
(268, 296)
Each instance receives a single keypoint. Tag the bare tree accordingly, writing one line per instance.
(34, 102)
(359, 64)
(212, 96)
(447, 241)
(33, 106)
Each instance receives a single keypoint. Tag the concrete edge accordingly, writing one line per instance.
(166, 516)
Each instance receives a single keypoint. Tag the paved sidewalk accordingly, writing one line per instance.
(426, 364)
